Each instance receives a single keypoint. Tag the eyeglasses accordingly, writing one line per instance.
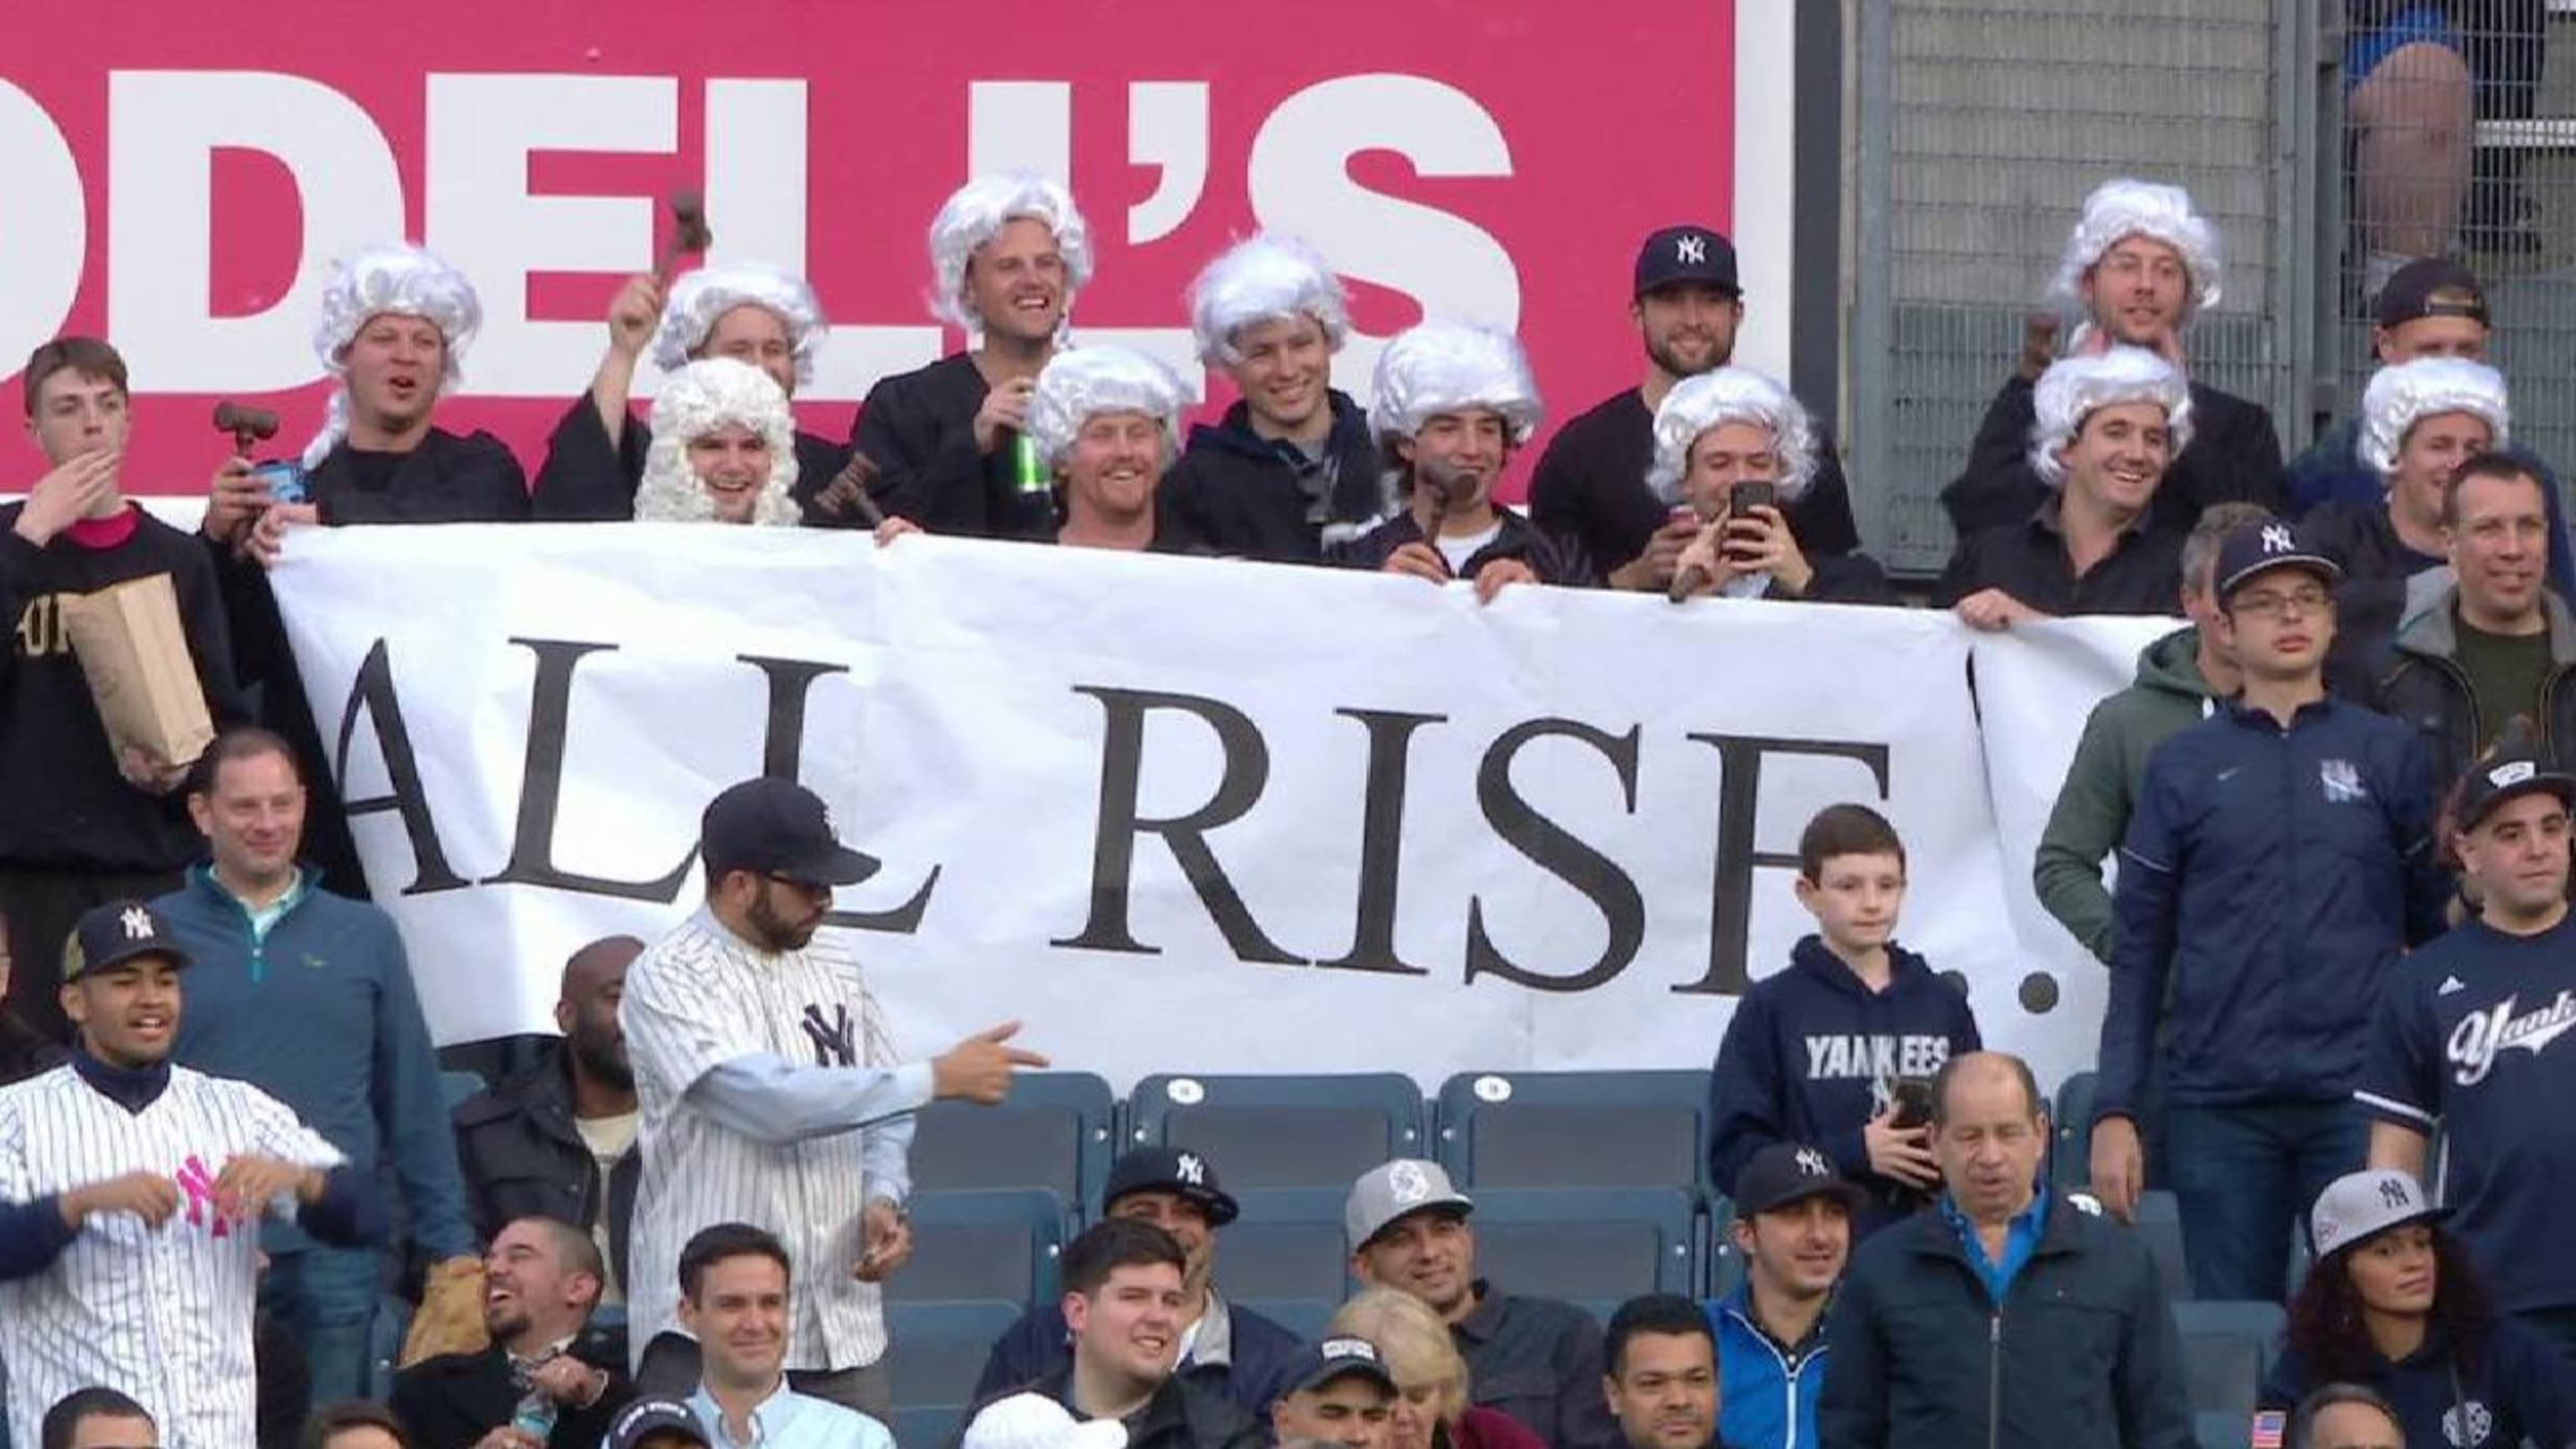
(805, 888)
(2298, 602)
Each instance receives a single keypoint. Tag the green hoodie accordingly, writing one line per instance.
(2101, 791)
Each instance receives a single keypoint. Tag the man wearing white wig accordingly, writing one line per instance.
(723, 449)
(2108, 426)
(1591, 481)
(1291, 468)
(1734, 437)
(2140, 264)
(1007, 256)
(1453, 401)
(2419, 422)
(755, 315)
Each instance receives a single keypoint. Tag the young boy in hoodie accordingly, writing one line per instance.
(1815, 1053)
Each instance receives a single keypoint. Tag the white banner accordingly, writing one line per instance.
(1184, 814)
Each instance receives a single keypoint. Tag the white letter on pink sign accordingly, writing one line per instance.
(163, 130)
(42, 248)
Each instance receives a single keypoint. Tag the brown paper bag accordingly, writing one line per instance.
(130, 644)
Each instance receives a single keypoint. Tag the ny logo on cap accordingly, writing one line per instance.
(1690, 251)
(1812, 1163)
(2277, 539)
(1190, 1169)
(137, 922)
(2512, 772)
(1406, 1182)
(2393, 1193)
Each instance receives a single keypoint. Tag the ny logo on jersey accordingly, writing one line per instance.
(1190, 1169)
(2341, 780)
(199, 1185)
(2481, 1034)
(835, 1043)
(2394, 1195)
(1690, 251)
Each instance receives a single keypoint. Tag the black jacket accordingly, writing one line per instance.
(2027, 559)
(2420, 682)
(584, 480)
(447, 479)
(521, 1156)
(1258, 1354)
(2375, 596)
(24, 1051)
(1841, 578)
(1252, 497)
(1591, 487)
(452, 1401)
(2234, 457)
(1181, 1415)
(1554, 559)
(2082, 1350)
(918, 427)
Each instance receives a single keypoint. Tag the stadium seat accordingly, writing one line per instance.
(1305, 1317)
(2070, 1147)
(1286, 1247)
(1283, 1131)
(995, 1244)
(1591, 1245)
(2227, 1348)
(1725, 1266)
(385, 1332)
(1575, 1129)
(936, 1352)
(2160, 1223)
(1054, 1132)
(457, 1086)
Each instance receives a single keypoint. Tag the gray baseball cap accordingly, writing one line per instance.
(1397, 1189)
(2359, 1204)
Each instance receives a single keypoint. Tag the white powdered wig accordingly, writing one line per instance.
(1266, 278)
(2399, 397)
(405, 281)
(2074, 388)
(1080, 383)
(2127, 208)
(700, 297)
(696, 400)
(976, 214)
(1731, 395)
(1449, 367)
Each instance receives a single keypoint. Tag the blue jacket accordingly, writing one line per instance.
(322, 1016)
(1808, 1057)
(2269, 880)
(1259, 1353)
(1764, 1401)
(2520, 1387)
(2331, 471)
(2082, 1351)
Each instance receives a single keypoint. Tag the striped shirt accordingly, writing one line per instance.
(164, 1315)
(709, 1018)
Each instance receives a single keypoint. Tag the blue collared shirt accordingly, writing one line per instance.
(2021, 1239)
(790, 1420)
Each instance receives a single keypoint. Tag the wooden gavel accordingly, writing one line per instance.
(248, 425)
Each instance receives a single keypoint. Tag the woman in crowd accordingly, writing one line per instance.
(1432, 1407)
(1734, 434)
(724, 449)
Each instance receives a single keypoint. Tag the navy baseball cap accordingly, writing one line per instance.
(645, 1418)
(1790, 1172)
(777, 827)
(1175, 1170)
(116, 933)
(2516, 766)
(1687, 253)
(1339, 1356)
(2259, 548)
(2431, 287)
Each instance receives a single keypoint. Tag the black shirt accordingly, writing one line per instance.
(2234, 457)
(1539, 1361)
(1554, 559)
(1180, 1415)
(1254, 497)
(585, 480)
(2142, 575)
(918, 427)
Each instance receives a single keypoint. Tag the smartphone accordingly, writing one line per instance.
(1913, 1098)
(285, 480)
(1742, 498)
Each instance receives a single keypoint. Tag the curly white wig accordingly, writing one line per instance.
(1449, 367)
(2399, 397)
(406, 281)
(702, 296)
(2127, 208)
(1266, 278)
(696, 400)
(2074, 388)
(977, 213)
(1731, 395)
(1079, 384)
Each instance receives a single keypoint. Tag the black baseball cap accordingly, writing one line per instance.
(1339, 1356)
(644, 1418)
(2431, 287)
(2259, 548)
(1175, 1170)
(777, 827)
(2516, 766)
(118, 932)
(1791, 1172)
(1687, 254)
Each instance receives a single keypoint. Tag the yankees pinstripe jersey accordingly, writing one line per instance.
(701, 1000)
(161, 1315)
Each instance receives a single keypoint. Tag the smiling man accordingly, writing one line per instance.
(735, 1298)
(545, 1381)
(1122, 1301)
(1793, 1228)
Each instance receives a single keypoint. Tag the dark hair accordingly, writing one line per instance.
(1663, 1313)
(2504, 467)
(2325, 1316)
(1845, 830)
(1114, 1243)
(2200, 548)
(726, 1240)
(64, 1419)
(1950, 1070)
(84, 355)
(2326, 1396)
(331, 1419)
(577, 1250)
(240, 742)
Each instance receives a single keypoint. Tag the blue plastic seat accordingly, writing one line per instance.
(1055, 1132)
(936, 1353)
(1576, 1129)
(2227, 1348)
(1725, 1267)
(994, 1244)
(1287, 1247)
(1305, 1317)
(1586, 1244)
(2160, 1224)
(1282, 1131)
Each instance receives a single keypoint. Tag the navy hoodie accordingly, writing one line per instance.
(2520, 1389)
(1809, 1057)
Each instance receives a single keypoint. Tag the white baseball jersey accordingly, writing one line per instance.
(161, 1315)
(703, 997)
